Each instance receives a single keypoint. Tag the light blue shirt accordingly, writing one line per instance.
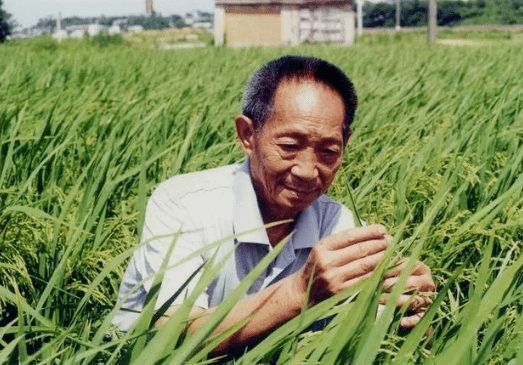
(208, 206)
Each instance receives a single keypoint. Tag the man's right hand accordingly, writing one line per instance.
(341, 260)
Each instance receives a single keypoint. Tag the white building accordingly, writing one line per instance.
(135, 29)
(78, 33)
(95, 29)
(114, 29)
(203, 25)
(60, 34)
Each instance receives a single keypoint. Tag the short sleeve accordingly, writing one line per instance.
(192, 210)
(165, 217)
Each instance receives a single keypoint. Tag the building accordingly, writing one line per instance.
(208, 26)
(78, 33)
(118, 26)
(287, 22)
(200, 20)
(149, 10)
(95, 29)
(77, 28)
(135, 29)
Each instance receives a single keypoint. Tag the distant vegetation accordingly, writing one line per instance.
(5, 28)
(450, 13)
(156, 21)
(147, 22)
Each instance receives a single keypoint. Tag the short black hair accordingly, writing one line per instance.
(258, 97)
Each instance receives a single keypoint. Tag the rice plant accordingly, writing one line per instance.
(87, 132)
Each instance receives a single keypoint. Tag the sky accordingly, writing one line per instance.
(27, 12)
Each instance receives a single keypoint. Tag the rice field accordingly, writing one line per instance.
(88, 130)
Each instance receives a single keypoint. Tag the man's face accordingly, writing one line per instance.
(298, 151)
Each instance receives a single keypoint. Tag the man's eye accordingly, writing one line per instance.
(289, 147)
(330, 152)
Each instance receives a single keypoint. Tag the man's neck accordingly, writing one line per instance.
(280, 231)
(277, 233)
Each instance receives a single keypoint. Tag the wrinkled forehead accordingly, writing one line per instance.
(309, 96)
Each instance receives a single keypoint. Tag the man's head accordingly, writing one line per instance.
(258, 97)
(297, 148)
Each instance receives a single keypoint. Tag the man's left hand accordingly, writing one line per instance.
(417, 292)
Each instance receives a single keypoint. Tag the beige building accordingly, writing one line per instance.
(283, 22)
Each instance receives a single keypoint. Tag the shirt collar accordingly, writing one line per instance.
(247, 216)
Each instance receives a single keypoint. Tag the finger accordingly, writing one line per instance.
(351, 282)
(360, 267)
(354, 235)
(412, 302)
(411, 320)
(397, 269)
(419, 268)
(360, 250)
(414, 283)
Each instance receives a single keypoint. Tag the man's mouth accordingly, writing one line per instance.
(301, 190)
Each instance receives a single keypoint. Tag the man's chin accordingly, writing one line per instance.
(299, 202)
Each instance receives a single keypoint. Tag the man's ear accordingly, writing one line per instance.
(245, 130)
(346, 139)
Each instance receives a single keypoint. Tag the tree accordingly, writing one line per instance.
(176, 21)
(155, 21)
(414, 13)
(5, 28)
(205, 16)
(449, 12)
(48, 22)
(378, 15)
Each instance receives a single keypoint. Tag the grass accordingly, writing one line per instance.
(485, 35)
(436, 156)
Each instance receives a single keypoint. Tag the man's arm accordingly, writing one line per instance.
(268, 309)
(335, 263)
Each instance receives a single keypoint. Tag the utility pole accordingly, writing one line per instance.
(58, 22)
(360, 16)
(398, 14)
(432, 21)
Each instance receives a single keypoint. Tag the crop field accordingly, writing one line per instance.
(87, 130)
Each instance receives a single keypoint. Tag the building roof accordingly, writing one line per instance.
(284, 2)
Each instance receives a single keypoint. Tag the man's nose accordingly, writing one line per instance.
(305, 166)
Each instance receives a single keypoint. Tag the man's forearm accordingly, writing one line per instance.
(267, 310)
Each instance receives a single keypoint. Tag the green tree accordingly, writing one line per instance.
(5, 29)
(378, 15)
(414, 13)
(450, 12)
(147, 22)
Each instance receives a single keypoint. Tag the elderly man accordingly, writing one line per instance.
(295, 125)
